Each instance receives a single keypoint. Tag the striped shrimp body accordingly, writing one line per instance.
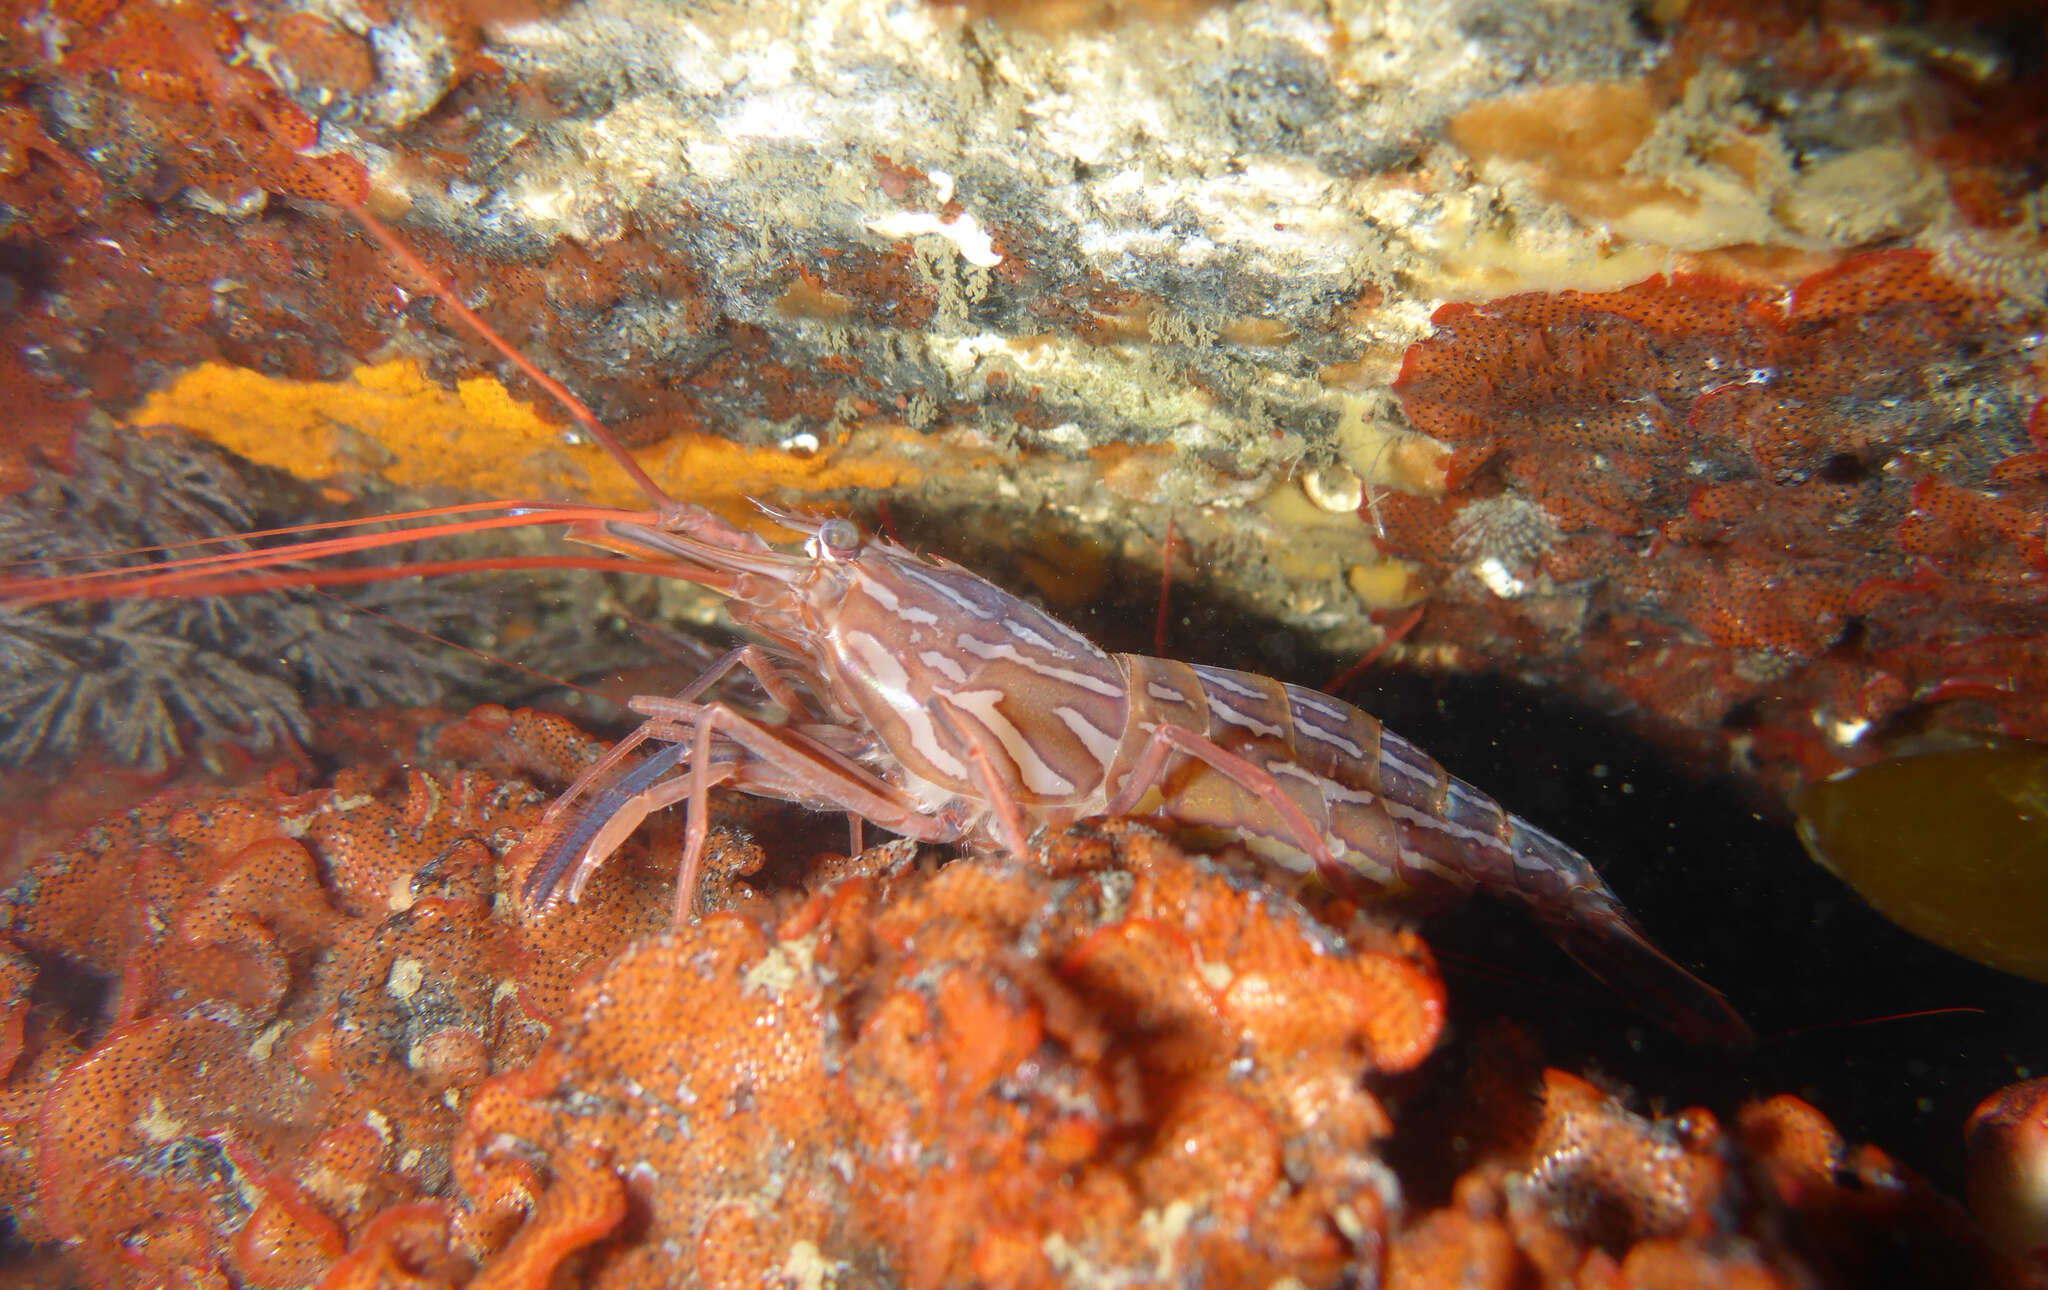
(929, 701)
(926, 700)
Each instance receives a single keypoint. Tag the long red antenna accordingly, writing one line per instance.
(1165, 586)
(1392, 635)
(199, 574)
(297, 530)
(441, 291)
(557, 391)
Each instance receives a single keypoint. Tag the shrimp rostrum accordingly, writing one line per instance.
(932, 703)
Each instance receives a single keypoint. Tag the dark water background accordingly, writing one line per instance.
(1714, 873)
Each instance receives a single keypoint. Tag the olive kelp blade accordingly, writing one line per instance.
(1950, 845)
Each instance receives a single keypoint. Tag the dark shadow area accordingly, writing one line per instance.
(1731, 894)
(1718, 879)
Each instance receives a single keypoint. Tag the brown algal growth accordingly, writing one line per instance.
(141, 681)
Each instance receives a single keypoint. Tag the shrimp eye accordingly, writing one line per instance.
(835, 540)
(839, 537)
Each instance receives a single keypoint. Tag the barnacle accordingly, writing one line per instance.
(142, 679)
(1506, 528)
(1498, 534)
(1996, 262)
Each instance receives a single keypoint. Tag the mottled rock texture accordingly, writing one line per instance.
(1068, 269)
(1681, 358)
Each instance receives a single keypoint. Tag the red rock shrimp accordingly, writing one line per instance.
(925, 699)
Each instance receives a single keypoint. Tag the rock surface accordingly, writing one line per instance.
(1078, 270)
